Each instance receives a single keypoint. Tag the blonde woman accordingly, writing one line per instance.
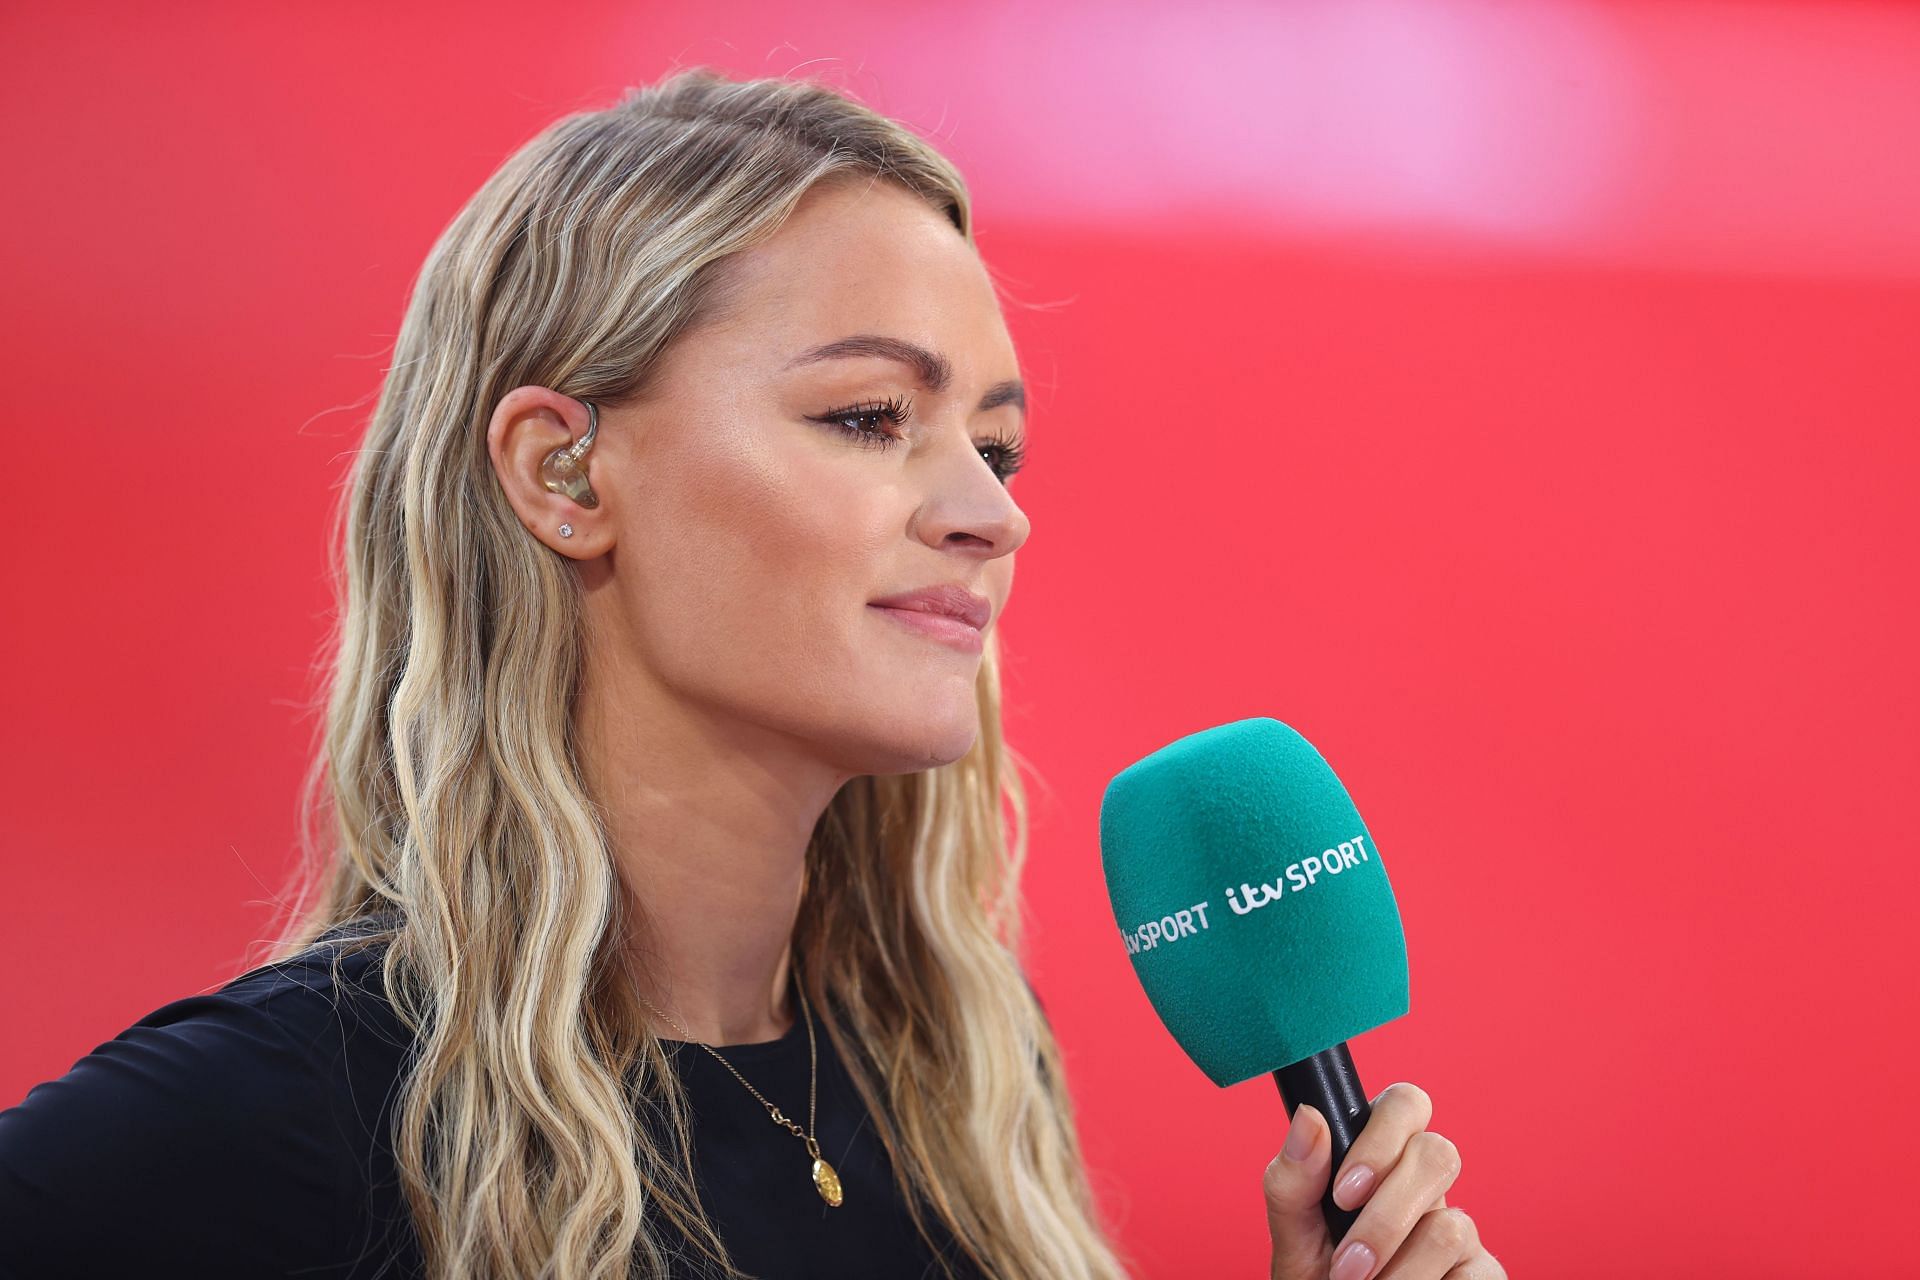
(665, 914)
(709, 725)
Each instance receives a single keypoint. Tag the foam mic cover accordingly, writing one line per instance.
(1257, 913)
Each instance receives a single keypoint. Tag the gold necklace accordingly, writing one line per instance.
(825, 1180)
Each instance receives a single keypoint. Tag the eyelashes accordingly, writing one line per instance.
(896, 410)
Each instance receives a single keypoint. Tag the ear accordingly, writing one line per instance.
(527, 426)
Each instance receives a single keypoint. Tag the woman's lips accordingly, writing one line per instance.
(945, 628)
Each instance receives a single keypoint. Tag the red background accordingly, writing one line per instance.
(1520, 401)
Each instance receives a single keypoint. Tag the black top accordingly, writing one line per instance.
(246, 1133)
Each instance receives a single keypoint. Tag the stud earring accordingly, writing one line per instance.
(566, 531)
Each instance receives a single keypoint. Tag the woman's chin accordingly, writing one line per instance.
(923, 745)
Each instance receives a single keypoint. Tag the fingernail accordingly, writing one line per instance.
(1299, 1142)
(1354, 1261)
(1353, 1186)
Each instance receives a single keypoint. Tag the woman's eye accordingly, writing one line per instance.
(855, 419)
(1012, 454)
(864, 421)
(868, 424)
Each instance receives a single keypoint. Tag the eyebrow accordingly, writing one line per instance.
(934, 370)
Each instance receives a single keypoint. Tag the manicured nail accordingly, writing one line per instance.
(1354, 1261)
(1299, 1141)
(1353, 1186)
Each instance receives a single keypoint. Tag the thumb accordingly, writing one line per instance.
(1294, 1184)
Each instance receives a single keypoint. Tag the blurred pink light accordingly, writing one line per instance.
(1752, 137)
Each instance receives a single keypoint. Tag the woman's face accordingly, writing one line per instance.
(752, 507)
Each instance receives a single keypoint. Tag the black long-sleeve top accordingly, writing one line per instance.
(246, 1132)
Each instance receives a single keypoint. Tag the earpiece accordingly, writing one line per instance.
(563, 471)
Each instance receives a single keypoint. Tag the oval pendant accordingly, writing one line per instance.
(826, 1181)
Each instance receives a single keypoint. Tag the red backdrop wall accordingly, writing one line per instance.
(1518, 401)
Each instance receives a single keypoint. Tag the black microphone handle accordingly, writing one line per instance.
(1328, 1081)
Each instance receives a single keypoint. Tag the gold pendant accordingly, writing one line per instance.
(826, 1181)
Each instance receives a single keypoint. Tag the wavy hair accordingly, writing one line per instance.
(444, 814)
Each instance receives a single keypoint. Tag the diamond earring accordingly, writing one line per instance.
(566, 531)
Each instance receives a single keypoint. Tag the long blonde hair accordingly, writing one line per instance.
(444, 813)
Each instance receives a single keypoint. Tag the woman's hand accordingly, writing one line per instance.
(1406, 1231)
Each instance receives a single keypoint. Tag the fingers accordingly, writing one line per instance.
(1442, 1243)
(1481, 1266)
(1400, 1110)
(1294, 1183)
(1427, 1166)
(1401, 1195)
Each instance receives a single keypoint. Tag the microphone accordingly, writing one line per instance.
(1258, 916)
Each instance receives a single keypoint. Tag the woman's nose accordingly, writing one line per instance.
(966, 501)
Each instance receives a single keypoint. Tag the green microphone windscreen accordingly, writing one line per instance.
(1251, 899)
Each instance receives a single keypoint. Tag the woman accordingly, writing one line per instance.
(662, 776)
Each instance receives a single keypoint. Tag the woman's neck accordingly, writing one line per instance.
(709, 824)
